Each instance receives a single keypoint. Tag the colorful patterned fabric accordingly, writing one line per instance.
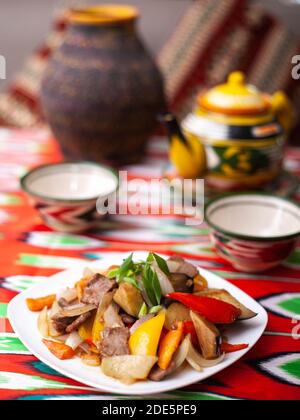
(213, 38)
(20, 107)
(30, 252)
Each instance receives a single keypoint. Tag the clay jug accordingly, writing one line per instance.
(102, 90)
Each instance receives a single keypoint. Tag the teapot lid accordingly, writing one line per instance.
(235, 97)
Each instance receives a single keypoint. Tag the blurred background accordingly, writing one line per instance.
(24, 25)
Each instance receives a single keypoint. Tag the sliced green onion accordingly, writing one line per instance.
(155, 309)
(143, 310)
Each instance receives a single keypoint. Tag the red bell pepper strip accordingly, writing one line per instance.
(213, 310)
(189, 328)
(232, 348)
(89, 341)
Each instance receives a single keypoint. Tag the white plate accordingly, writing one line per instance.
(24, 323)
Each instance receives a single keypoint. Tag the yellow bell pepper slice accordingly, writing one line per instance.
(144, 341)
(98, 327)
(85, 330)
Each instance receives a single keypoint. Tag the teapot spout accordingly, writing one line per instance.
(284, 110)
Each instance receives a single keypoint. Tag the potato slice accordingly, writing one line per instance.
(129, 299)
(128, 369)
(225, 296)
(91, 359)
(175, 313)
(208, 335)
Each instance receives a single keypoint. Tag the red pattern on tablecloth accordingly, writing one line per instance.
(30, 252)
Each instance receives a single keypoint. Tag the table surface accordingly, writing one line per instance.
(30, 252)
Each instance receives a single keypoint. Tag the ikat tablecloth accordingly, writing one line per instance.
(29, 252)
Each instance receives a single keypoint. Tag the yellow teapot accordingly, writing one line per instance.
(235, 136)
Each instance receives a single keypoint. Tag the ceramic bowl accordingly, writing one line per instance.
(66, 194)
(254, 232)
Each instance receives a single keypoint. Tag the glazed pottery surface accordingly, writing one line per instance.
(241, 133)
(66, 194)
(102, 91)
(254, 232)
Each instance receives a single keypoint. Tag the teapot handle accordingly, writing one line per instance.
(187, 153)
(283, 109)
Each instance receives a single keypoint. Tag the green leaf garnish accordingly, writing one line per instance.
(152, 285)
(148, 284)
(125, 267)
(130, 280)
(113, 273)
(162, 264)
(156, 288)
(129, 272)
(126, 273)
(143, 310)
(150, 258)
(155, 309)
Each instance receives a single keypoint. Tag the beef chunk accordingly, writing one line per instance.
(127, 319)
(181, 283)
(61, 324)
(114, 342)
(63, 303)
(78, 321)
(71, 323)
(157, 374)
(96, 289)
(179, 265)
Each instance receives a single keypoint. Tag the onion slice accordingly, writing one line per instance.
(197, 361)
(181, 354)
(112, 318)
(85, 347)
(74, 310)
(165, 283)
(43, 324)
(87, 272)
(104, 304)
(54, 311)
(69, 295)
(74, 340)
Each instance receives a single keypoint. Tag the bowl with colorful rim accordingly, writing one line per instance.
(66, 194)
(255, 232)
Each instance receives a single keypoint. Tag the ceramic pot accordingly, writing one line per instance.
(243, 131)
(253, 232)
(102, 91)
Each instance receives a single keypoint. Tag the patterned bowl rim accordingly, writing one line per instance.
(25, 188)
(248, 237)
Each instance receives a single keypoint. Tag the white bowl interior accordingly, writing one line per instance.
(72, 181)
(257, 216)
